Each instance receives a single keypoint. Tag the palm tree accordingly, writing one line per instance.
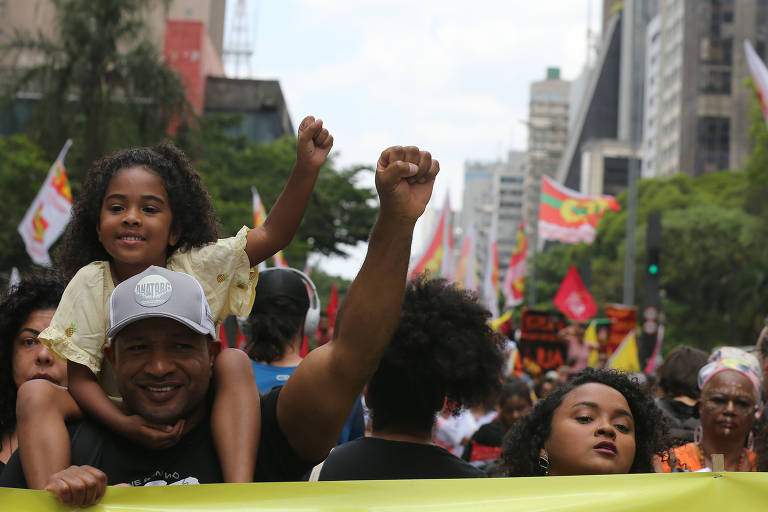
(99, 78)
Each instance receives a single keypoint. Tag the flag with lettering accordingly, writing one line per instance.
(574, 299)
(759, 75)
(569, 216)
(514, 279)
(49, 213)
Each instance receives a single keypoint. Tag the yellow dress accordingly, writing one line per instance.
(79, 326)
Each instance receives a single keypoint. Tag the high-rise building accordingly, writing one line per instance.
(701, 111)
(652, 95)
(547, 138)
(494, 190)
(605, 135)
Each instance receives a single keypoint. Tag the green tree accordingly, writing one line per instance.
(711, 273)
(339, 213)
(102, 82)
(23, 168)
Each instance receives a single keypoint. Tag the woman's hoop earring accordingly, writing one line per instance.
(544, 463)
(751, 441)
(697, 433)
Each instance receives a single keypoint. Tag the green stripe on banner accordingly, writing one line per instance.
(551, 201)
(702, 492)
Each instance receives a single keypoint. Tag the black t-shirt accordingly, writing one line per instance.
(193, 460)
(371, 458)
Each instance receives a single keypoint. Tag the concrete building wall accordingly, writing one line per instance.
(705, 106)
(33, 15)
(261, 102)
(651, 99)
(510, 179)
(494, 190)
(671, 94)
(547, 138)
(636, 14)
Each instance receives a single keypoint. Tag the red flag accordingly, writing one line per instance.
(574, 299)
(333, 305)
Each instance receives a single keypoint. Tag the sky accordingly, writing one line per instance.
(451, 77)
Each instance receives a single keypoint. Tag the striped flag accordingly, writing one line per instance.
(259, 215)
(439, 248)
(569, 216)
(514, 279)
(49, 213)
(491, 280)
(759, 75)
(466, 268)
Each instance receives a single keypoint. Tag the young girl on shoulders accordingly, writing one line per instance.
(142, 207)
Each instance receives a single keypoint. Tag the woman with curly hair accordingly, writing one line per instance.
(599, 422)
(24, 312)
(442, 351)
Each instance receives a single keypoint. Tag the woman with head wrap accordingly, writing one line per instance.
(730, 391)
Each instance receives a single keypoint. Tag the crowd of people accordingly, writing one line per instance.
(113, 373)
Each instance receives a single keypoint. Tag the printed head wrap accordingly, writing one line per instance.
(732, 358)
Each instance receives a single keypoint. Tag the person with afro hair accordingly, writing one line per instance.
(599, 422)
(442, 351)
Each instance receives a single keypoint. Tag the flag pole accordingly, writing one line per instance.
(534, 248)
(64, 151)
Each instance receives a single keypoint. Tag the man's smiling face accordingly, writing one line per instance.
(162, 368)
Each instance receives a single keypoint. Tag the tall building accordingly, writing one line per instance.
(605, 135)
(547, 138)
(652, 95)
(702, 110)
(494, 190)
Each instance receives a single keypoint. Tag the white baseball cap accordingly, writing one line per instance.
(160, 293)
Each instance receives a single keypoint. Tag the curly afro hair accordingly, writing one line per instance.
(524, 441)
(191, 207)
(442, 348)
(38, 291)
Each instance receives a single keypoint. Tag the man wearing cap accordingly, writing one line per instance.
(162, 361)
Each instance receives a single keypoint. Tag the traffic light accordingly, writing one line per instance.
(652, 265)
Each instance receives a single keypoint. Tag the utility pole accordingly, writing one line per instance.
(635, 141)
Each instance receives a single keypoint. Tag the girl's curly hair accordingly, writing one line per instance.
(442, 348)
(524, 441)
(192, 212)
(39, 291)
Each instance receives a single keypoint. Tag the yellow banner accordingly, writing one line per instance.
(702, 492)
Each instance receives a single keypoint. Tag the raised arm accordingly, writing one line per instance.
(313, 145)
(316, 400)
